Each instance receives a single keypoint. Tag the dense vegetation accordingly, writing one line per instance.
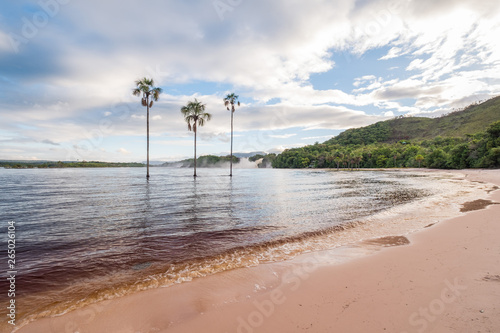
(206, 161)
(51, 164)
(473, 119)
(481, 150)
(266, 162)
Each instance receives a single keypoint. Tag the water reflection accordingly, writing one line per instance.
(114, 225)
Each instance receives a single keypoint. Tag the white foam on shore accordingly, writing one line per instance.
(444, 201)
(446, 195)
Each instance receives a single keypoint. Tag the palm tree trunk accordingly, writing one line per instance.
(231, 162)
(195, 151)
(147, 122)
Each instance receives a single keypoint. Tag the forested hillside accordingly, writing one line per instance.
(465, 139)
(471, 120)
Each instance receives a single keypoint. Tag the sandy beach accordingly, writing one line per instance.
(445, 278)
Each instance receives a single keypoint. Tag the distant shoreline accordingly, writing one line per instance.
(62, 165)
(98, 164)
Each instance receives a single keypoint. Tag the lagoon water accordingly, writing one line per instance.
(84, 235)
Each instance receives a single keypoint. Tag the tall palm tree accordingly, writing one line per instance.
(149, 92)
(195, 115)
(231, 99)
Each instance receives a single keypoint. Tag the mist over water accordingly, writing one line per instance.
(89, 234)
(244, 163)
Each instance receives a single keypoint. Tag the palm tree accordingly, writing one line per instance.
(357, 159)
(231, 99)
(149, 92)
(195, 115)
(338, 156)
(419, 159)
(347, 160)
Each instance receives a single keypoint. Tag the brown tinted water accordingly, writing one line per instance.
(85, 235)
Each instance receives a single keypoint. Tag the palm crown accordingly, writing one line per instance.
(231, 99)
(195, 115)
(146, 88)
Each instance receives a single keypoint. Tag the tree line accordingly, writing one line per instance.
(205, 161)
(59, 164)
(481, 150)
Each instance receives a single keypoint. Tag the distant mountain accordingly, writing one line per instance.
(471, 120)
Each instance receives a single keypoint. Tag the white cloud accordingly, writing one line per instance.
(75, 84)
(5, 43)
(321, 137)
(282, 136)
(361, 80)
(185, 143)
(394, 52)
(123, 151)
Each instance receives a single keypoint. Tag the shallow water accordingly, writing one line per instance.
(85, 235)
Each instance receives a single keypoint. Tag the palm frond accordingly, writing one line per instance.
(194, 114)
(207, 116)
(231, 99)
(145, 87)
(156, 93)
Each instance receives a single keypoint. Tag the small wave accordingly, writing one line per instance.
(412, 209)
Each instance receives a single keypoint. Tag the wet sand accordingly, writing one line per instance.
(446, 280)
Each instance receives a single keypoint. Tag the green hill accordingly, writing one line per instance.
(471, 120)
(205, 161)
(463, 139)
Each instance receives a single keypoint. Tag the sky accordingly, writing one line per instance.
(304, 71)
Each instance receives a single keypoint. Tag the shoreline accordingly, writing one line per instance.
(315, 288)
